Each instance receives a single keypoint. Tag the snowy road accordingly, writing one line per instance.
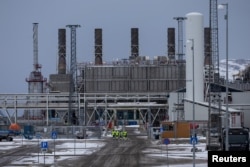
(136, 151)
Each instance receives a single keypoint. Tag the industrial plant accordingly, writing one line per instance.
(182, 89)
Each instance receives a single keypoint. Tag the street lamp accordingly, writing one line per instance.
(227, 114)
(193, 126)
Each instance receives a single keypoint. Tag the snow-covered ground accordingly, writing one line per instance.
(70, 148)
(67, 150)
(182, 151)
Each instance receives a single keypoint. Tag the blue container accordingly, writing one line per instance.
(28, 130)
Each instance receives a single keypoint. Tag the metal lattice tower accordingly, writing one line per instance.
(213, 69)
(73, 62)
(214, 38)
(73, 72)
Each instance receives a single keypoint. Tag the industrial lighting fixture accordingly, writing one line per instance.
(193, 124)
(222, 6)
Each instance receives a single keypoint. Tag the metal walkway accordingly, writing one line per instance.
(90, 101)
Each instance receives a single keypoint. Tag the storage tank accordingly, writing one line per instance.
(194, 56)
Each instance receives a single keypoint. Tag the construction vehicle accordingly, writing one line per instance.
(238, 139)
(14, 130)
(7, 134)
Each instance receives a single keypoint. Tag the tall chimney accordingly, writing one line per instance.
(134, 43)
(61, 51)
(98, 46)
(171, 44)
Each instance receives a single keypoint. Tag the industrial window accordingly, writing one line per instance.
(130, 114)
(120, 115)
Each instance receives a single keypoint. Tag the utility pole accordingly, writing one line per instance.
(193, 126)
(227, 112)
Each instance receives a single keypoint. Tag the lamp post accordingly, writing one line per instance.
(193, 126)
(227, 113)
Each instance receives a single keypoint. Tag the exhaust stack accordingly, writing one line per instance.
(98, 46)
(171, 44)
(61, 51)
(134, 43)
(36, 65)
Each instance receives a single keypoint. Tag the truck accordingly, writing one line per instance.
(238, 139)
(6, 134)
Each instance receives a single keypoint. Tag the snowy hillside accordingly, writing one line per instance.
(234, 67)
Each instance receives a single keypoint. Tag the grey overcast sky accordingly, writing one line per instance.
(115, 17)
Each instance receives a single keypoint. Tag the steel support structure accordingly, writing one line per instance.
(73, 72)
(213, 65)
(213, 23)
(93, 103)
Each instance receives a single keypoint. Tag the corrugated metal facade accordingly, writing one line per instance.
(123, 79)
